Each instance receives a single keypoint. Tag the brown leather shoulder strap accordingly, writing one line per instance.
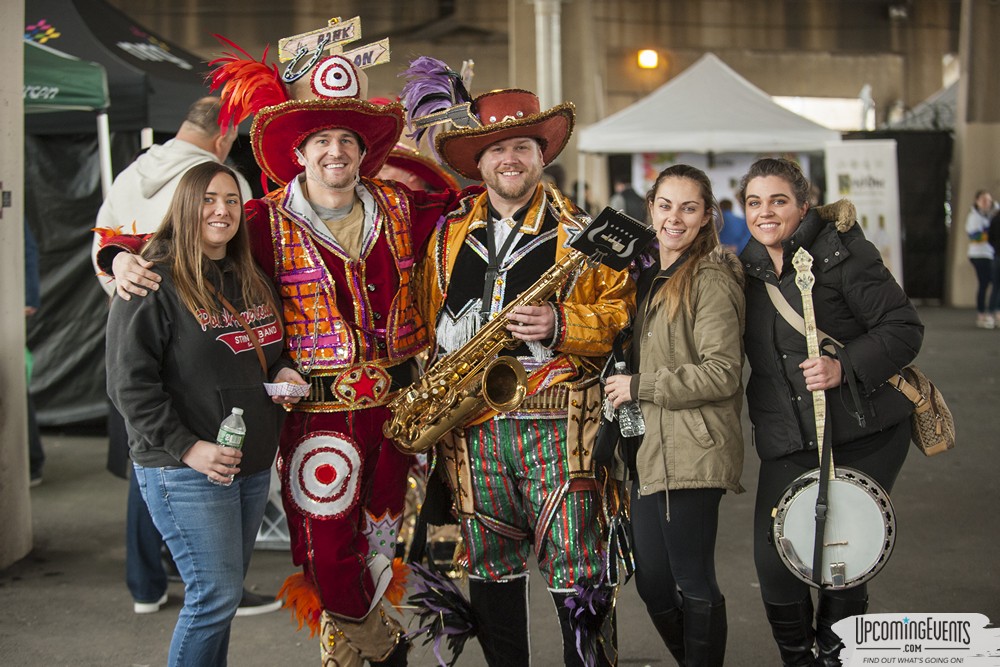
(246, 327)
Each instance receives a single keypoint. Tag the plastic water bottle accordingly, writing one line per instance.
(630, 421)
(232, 430)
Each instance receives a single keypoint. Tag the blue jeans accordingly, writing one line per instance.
(144, 572)
(210, 531)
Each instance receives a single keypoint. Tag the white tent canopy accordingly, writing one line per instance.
(706, 108)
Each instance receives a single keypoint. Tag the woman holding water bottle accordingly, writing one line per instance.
(688, 351)
(179, 362)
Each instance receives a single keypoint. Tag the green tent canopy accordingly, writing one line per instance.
(54, 81)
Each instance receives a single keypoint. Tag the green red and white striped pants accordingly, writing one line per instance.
(524, 496)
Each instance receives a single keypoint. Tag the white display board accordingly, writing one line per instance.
(866, 173)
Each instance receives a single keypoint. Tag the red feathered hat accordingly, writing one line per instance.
(329, 95)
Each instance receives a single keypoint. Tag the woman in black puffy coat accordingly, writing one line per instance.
(858, 302)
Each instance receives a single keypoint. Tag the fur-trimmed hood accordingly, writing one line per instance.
(726, 259)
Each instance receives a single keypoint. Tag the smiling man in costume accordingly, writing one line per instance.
(341, 248)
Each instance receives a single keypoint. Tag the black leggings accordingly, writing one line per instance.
(675, 554)
(880, 458)
(984, 277)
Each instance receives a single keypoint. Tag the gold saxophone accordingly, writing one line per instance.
(473, 376)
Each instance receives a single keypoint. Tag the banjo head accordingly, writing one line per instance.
(860, 528)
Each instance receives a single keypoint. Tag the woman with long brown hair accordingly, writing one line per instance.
(179, 361)
(688, 354)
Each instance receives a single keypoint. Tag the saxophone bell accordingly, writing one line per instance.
(505, 383)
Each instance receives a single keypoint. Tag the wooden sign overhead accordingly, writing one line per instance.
(332, 39)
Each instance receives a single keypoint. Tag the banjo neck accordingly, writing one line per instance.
(802, 262)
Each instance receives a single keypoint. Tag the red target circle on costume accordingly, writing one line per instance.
(322, 475)
(335, 76)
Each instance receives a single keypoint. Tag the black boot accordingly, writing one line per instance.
(670, 625)
(607, 641)
(831, 610)
(502, 620)
(792, 627)
(705, 630)
(398, 656)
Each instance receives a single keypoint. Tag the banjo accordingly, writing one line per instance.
(834, 528)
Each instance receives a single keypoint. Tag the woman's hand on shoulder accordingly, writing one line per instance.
(822, 373)
(216, 462)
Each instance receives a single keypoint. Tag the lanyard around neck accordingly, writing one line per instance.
(493, 263)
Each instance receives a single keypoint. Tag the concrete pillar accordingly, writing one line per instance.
(977, 135)
(581, 58)
(584, 60)
(15, 503)
(548, 51)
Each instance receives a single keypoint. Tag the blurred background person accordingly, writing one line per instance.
(406, 165)
(32, 302)
(555, 175)
(981, 255)
(993, 236)
(626, 199)
(585, 203)
(428, 529)
(734, 233)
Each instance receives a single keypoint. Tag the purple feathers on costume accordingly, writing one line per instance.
(589, 606)
(431, 87)
(442, 610)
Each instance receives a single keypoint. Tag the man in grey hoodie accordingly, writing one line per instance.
(141, 195)
(142, 192)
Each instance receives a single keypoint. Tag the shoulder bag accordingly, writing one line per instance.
(933, 426)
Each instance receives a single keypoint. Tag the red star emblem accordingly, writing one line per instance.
(364, 386)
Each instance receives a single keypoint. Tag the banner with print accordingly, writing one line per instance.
(865, 172)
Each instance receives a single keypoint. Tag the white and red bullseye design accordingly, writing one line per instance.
(323, 475)
(335, 76)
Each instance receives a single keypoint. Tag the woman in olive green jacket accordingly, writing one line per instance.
(687, 346)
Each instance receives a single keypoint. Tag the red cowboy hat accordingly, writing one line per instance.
(505, 114)
(329, 95)
(411, 160)
(278, 130)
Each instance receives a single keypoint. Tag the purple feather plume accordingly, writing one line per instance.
(431, 87)
(589, 606)
(443, 612)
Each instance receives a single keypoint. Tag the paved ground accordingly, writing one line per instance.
(66, 603)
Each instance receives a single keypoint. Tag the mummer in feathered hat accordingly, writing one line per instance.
(521, 480)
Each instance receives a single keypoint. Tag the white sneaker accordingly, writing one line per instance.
(985, 321)
(253, 604)
(149, 607)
